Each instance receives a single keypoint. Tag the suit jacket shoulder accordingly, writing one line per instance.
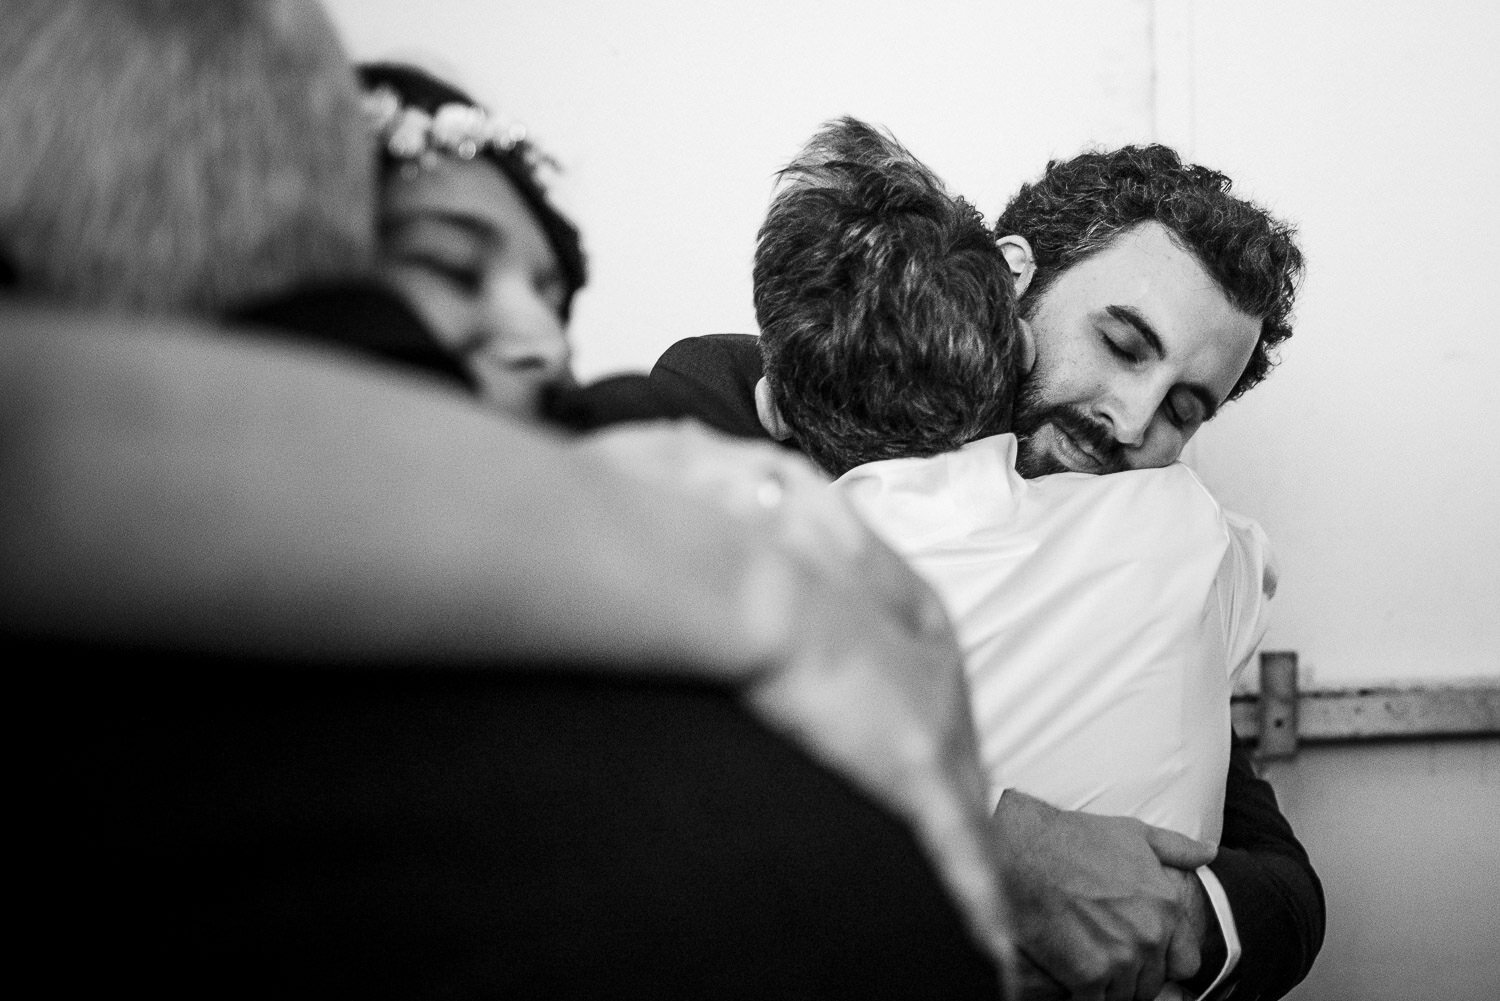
(712, 378)
(1273, 891)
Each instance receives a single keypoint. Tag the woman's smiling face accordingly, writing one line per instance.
(460, 244)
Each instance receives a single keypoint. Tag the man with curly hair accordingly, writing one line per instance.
(1154, 295)
(1135, 349)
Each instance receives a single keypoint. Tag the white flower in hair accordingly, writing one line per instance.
(457, 129)
(409, 136)
(381, 107)
(461, 129)
(508, 134)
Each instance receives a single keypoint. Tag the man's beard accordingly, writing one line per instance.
(1032, 414)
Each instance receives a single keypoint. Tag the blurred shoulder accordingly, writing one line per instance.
(712, 377)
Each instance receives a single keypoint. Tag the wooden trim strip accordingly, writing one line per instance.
(1287, 717)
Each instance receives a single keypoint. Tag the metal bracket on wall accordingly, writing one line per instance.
(1279, 719)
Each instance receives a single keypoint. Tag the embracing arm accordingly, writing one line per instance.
(175, 486)
(1109, 907)
(1273, 891)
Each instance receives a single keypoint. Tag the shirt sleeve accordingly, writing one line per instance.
(1247, 582)
(1224, 917)
(1275, 898)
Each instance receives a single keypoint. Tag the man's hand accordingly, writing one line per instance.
(1105, 907)
(858, 663)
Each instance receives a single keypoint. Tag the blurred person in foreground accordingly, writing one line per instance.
(345, 685)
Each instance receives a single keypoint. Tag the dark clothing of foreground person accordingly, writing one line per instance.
(252, 830)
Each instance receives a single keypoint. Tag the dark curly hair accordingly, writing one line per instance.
(420, 89)
(1080, 205)
(886, 314)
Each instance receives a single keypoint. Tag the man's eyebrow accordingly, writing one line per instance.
(1142, 326)
(1126, 314)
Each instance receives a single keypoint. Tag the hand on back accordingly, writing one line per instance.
(1106, 907)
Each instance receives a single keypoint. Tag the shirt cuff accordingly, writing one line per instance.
(1220, 903)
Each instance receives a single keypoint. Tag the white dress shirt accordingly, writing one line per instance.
(1103, 619)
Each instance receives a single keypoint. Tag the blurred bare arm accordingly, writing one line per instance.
(189, 487)
(186, 488)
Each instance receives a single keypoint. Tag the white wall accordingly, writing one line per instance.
(1402, 838)
(670, 117)
(1369, 454)
(1366, 455)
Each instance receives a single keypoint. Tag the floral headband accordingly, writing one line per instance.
(416, 137)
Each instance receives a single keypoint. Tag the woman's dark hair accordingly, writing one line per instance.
(419, 89)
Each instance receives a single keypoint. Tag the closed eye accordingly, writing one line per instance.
(448, 248)
(463, 277)
(527, 363)
(1184, 409)
(1125, 354)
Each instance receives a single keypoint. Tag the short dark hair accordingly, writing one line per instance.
(886, 312)
(1079, 206)
(417, 88)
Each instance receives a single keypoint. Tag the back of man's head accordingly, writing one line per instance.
(886, 312)
(177, 154)
(1079, 206)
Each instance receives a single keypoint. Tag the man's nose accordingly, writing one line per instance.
(1130, 411)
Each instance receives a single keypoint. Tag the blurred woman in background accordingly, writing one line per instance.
(470, 238)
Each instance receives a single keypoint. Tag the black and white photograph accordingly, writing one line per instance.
(885, 501)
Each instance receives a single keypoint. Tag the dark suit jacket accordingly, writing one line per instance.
(1273, 891)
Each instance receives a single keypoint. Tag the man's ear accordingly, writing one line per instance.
(1025, 345)
(1022, 263)
(769, 413)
